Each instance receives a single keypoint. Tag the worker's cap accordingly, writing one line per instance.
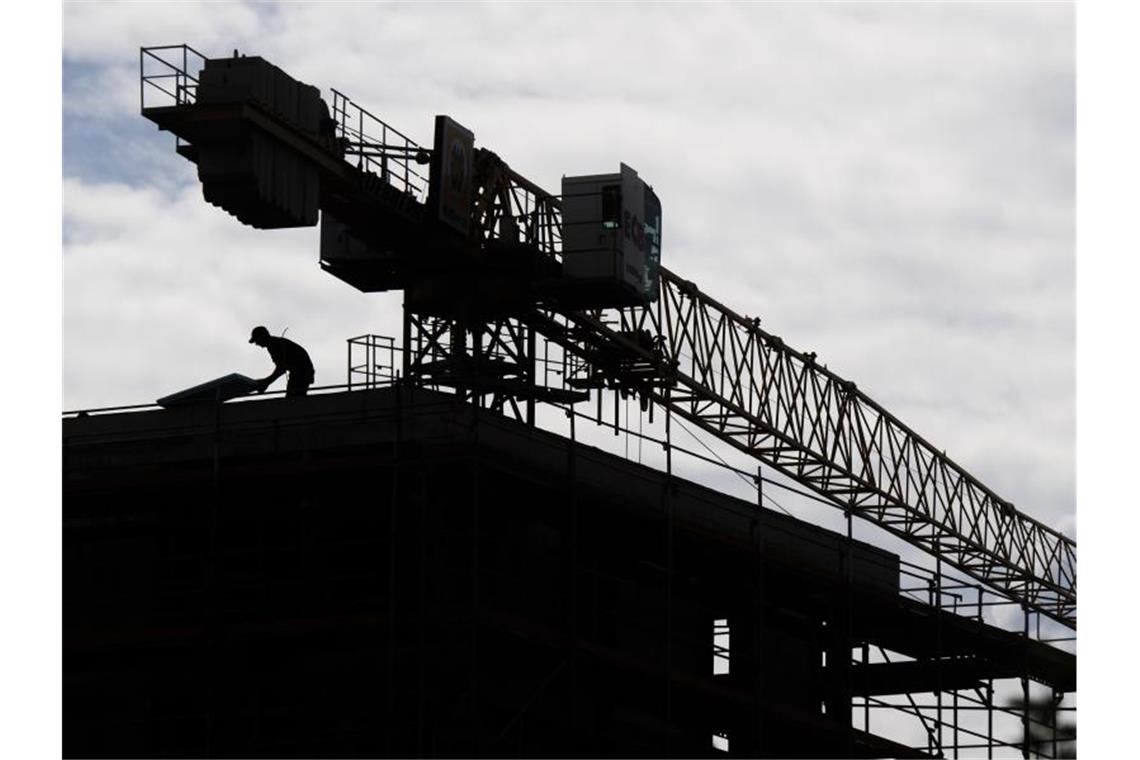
(258, 332)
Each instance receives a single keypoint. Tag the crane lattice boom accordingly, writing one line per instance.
(747, 388)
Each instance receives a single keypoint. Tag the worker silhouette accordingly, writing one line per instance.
(287, 357)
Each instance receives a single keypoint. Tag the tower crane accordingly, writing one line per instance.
(488, 260)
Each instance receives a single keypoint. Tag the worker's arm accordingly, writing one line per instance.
(278, 371)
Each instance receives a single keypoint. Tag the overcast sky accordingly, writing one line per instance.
(889, 185)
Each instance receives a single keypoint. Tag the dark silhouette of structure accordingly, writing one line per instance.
(415, 568)
(287, 357)
(217, 390)
(1047, 734)
(394, 572)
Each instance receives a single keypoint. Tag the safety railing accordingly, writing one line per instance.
(371, 361)
(380, 149)
(524, 212)
(165, 77)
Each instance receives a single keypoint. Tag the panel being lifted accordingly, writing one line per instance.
(218, 390)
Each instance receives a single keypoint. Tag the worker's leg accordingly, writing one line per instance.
(297, 386)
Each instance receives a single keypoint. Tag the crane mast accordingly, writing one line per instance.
(488, 261)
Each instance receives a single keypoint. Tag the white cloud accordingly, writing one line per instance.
(107, 31)
(161, 293)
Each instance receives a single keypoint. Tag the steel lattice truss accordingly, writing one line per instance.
(744, 386)
(508, 206)
(489, 363)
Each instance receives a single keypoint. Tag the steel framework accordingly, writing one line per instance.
(478, 360)
(706, 363)
(743, 385)
(738, 382)
(957, 718)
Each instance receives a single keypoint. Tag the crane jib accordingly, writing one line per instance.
(747, 388)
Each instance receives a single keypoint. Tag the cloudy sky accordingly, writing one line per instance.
(889, 185)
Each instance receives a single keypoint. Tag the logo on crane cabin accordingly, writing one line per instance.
(457, 166)
(641, 233)
(451, 173)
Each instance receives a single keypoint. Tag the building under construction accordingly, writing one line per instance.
(411, 565)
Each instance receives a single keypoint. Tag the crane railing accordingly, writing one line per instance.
(510, 208)
(380, 148)
(721, 371)
(165, 77)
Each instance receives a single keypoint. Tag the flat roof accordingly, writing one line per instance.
(137, 442)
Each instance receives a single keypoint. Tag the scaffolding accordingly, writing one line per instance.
(977, 720)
